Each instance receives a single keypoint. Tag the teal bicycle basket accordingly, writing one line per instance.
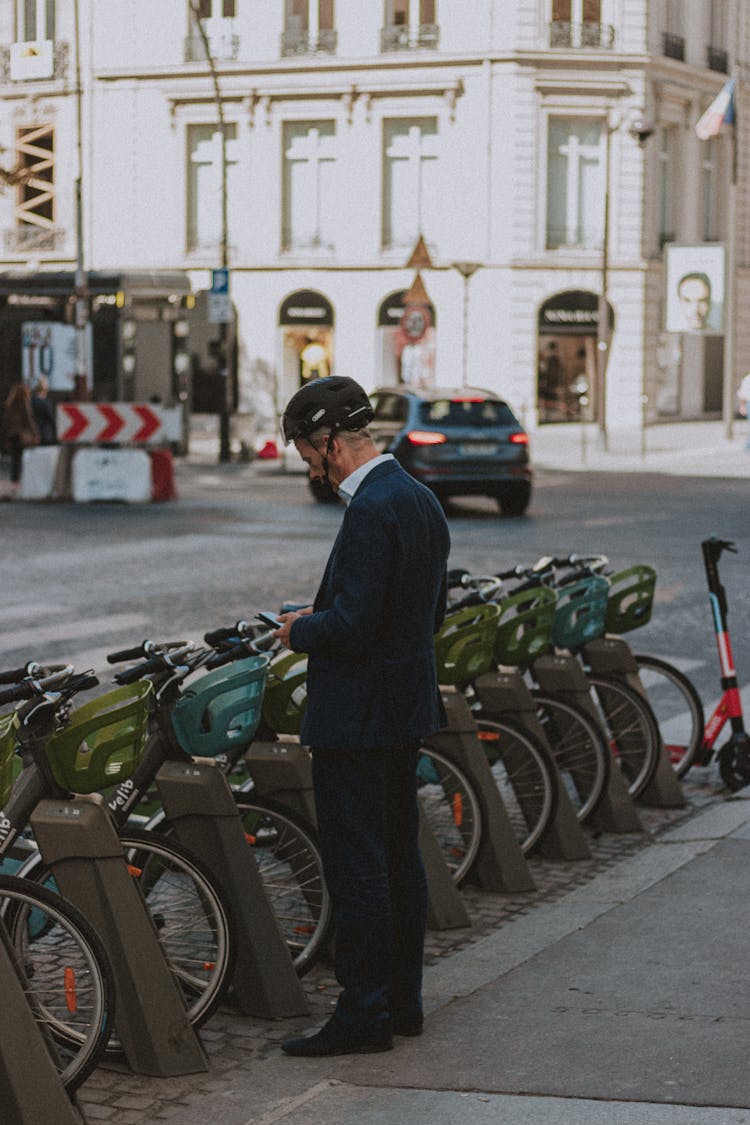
(104, 740)
(8, 728)
(524, 628)
(581, 610)
(222, 709)
(464, 646)
(631, 599)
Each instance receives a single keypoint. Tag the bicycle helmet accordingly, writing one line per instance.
(335, 402)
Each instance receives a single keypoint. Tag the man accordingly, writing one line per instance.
(371, 695)
(694, 295)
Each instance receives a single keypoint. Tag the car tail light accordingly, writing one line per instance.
(519, 439)
(468, 398)
(425, 437)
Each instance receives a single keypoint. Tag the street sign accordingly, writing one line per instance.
(121, 423)
(219, 303)
(220, 281)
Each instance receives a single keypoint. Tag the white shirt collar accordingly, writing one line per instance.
(350, 484)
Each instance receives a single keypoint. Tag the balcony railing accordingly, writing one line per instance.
(673, 46)
(304, 43)
(224, 47)
(717, 58)
(565, 34)
(28, 239)
(406, 37)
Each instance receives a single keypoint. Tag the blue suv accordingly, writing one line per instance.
(457, 442)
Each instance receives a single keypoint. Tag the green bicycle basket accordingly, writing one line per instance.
(631, 599)
(104, 740)
(221, 709)
(286, 693)
(8, 728)
(581, 609)
(464, 646)
(524, 628)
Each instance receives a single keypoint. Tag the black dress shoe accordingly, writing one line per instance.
(337, 1038)
(407, 1025)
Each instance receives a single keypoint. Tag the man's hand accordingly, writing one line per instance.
(288, 620)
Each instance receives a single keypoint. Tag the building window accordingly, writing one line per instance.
(578, 23)
(204, 226)
(410, 181)
(575, 183)
(217, 21)
(667, 186)
(409, 24)
(673, 40)
(35, 20)
(308, 28)
(716, 51)
(309, 211)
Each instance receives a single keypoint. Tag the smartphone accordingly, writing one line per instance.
(269, 619)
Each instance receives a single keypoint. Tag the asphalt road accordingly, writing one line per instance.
(80, 580)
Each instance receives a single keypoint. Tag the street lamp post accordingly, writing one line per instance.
(467, 270)
(602, 327)
(225, 336)
(81, 280)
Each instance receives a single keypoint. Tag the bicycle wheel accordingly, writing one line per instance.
(524, 775)
(633, 733)
(67, 975)
(580, 749)
(452, 809)
(288, 856)
(677, 708)
(185, 904)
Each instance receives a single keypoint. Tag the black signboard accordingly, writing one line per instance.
(573, 313)
(306, 307)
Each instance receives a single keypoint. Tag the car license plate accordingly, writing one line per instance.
(478, 448)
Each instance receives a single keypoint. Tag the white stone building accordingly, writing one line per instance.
(493, 128)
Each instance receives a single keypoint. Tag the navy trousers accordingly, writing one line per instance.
(368, 823)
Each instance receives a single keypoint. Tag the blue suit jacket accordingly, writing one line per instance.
(371, 677)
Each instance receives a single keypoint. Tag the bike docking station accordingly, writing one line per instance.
(199, 804)
(30, 1088)
(79, 842)
(563, 678)
(463, 650)
(612, 656)
(282, 771)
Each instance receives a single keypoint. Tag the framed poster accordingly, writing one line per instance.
(695, 289)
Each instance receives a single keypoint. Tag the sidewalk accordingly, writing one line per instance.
(682, 448)
(626, 1002)
(615, 994)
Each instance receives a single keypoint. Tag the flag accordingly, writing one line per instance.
(720, 112)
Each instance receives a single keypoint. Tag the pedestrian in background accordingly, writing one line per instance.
(18, 430)
(743, 398)
(44, 411)
(372, 694)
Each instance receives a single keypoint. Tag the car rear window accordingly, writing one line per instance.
(462, 412)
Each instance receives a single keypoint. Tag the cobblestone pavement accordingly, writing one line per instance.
(232, 1040)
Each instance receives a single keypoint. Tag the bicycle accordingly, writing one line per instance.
(64, 967)
(81, 751)
(217, 719)
(623, 718)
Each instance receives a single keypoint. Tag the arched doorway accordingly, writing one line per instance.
(399, 360)
(306, 325)
(566, 356)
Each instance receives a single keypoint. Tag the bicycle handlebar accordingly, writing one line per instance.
(216, 636)
(15, 675)
(146, 648)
